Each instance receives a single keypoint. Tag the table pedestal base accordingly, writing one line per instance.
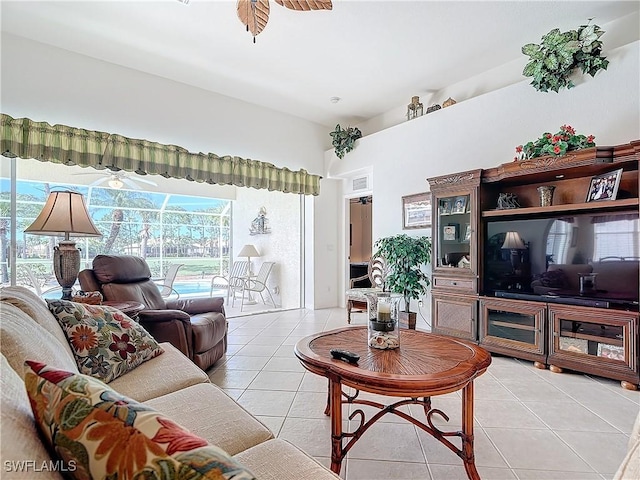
(334, 408)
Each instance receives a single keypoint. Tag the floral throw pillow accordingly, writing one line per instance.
(106, 343)
(98, 433)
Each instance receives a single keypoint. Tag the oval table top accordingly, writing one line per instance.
(425, 364)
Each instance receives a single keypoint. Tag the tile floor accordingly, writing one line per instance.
(530, 424)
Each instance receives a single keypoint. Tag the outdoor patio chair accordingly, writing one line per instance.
(257, 284)
(166, 287)
(233, 282)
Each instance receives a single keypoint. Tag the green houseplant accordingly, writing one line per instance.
(556, 145)
(552, 62)
(344, 139)
(404, 256)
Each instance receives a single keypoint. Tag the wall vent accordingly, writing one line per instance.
(361, 183)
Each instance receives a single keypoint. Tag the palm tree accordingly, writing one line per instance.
(119, 201)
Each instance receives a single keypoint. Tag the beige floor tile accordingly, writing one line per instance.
(386, 470)
(604, 453)
(284, 364)
(389, 441)
(226, 378)
(265, 380)
(308, 405)
(245, 362)
(505, 414)
(313, 435)
(569, 416)
(554, 475)
(536, 449)
(268, 403)
(273, 423)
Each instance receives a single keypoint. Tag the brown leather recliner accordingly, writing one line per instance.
(196, 326)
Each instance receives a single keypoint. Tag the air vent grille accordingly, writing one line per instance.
(361, 183)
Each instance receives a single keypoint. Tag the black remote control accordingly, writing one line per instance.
(345, 355)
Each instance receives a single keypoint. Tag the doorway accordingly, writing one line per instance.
(360, 241)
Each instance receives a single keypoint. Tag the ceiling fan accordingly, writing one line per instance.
(118, 180)
(255, 13)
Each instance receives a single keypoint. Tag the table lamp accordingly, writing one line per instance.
(65, 214)
(513, 242)
(249, 251)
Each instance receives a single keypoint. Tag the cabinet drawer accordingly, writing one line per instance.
(465, 284)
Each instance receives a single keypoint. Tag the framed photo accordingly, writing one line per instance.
(459, 205)
(445, 206)
(605, 186)
(416, 211)
(613, 352)
(467, 233)
(450, 233)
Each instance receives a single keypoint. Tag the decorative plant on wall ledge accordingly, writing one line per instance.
(556, 145)
(555, 59)
(344, 139)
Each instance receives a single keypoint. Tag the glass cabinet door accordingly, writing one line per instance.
(454, 231)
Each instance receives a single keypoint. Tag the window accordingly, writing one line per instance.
(163, 228)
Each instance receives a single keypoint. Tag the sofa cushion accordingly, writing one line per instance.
(36, 308)
(18, 435)
(106, 343)
(291, 463)
(22, 339)
(620, 277)
(214, 416)
(166, 373)
(104, 434)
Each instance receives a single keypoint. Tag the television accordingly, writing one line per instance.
(583, 259)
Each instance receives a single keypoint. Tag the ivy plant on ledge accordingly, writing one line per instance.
(344, 139)
(552, 63)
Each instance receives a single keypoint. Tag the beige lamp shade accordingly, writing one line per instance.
(249, 251)
(513, 241)
(64, 214)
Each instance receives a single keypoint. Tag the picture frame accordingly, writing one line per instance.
(467, 233)
(604, 186)
(459, 205)
(445, 206)
(416, 211)
(614, 352)
(450, 232)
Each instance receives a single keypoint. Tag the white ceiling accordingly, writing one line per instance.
(374, 55)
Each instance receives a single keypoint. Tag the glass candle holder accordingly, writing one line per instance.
(587, 283)
(383, 324)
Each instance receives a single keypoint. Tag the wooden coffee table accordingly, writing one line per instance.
(425, 365)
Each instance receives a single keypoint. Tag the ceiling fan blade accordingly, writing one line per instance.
(306, 4)
(99, 181)
(130, 183)
(254, 14)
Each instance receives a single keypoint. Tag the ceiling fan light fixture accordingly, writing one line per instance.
(116, 183)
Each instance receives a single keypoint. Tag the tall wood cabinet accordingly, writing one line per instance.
(455, 254)
(503, 298)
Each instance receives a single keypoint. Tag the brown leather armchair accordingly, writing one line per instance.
(196, 326)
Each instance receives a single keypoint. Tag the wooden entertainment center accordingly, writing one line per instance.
(501, 294)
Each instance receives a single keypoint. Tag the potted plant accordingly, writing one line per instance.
(555, 145)
(405, 256)
(344, 139)
(552, 62)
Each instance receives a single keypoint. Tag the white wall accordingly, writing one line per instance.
(282, 245)
(483, 131)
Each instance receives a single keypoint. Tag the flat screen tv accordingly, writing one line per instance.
(585, 259)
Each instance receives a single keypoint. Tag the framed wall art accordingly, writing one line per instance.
(416, 211)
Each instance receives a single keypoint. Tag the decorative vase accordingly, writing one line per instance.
(546, 195)
(384, 325)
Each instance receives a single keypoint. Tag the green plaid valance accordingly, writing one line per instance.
(22, 137)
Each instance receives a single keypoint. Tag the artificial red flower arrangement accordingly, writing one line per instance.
(556, 145)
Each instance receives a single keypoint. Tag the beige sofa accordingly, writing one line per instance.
(170, 383)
